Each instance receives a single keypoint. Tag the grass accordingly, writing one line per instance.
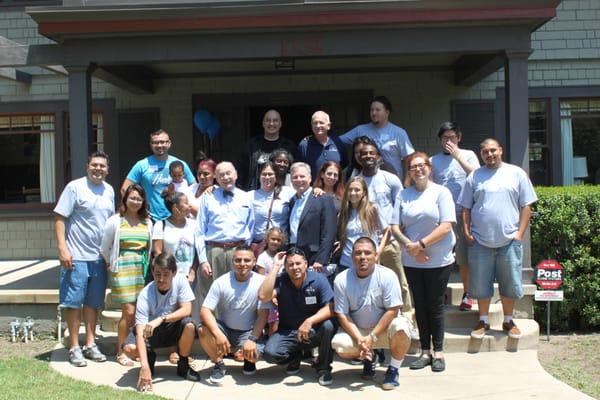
(575, 360)
(25, 373)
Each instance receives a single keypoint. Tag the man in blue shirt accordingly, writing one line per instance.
(317, 149)
(305, 311)
(225, 221)
(152, 173)
(392, 140)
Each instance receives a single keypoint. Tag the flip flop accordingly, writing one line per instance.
(124, 360)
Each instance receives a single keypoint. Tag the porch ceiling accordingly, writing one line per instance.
(97, 18)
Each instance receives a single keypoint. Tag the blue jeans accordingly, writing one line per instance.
(283, 346)
(505, 264)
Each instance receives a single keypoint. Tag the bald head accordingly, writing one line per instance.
(226, 175)
(272, 124)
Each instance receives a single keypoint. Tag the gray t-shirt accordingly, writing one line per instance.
(235, 302)
(449, 173)
(151, 304)
(86, 207)
(365, 300)
(495, 197)
(419, 213)
(383, 189)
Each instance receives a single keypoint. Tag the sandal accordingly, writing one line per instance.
(174, 358)
(124, 360)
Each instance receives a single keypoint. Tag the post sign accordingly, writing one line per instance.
(549, 275)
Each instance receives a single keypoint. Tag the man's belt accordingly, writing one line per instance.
(225, 245)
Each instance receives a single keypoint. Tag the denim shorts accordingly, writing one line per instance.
(84, 284)
(505, 264)
(237, 338)
(460, 248)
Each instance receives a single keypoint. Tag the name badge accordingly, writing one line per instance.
(310, 300)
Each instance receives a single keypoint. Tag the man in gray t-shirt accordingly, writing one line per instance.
(79, 218)
(232, 316)
(367, 301)
(450, 168)
(496, 204)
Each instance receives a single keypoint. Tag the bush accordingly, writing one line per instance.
(566, 227)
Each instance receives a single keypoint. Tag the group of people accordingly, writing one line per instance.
(307, 253)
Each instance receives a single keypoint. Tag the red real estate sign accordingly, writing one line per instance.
(549, 274)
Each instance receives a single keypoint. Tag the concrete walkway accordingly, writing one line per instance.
(490, 376)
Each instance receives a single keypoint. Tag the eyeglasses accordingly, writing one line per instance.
(159, 142)
(449, 137)
(418, 166)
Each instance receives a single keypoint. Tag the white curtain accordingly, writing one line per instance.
(47, 168)
(566, 134)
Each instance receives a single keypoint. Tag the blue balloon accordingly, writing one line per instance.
(202, 120)
(213, 128)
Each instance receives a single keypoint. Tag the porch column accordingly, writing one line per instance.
(517, 109)
(80, 117)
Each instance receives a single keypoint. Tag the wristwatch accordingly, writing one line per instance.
(373, 337)
(253, 338)
(163, 318)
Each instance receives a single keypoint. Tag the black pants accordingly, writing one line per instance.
(428, 286)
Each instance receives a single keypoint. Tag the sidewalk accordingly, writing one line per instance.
(490, 376)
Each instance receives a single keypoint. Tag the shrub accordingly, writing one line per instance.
(566, 227)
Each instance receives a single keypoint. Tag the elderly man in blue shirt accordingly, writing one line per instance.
(225, 221)
(317, 149)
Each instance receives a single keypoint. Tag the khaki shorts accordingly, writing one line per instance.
(343, 342)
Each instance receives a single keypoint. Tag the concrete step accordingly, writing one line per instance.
(109, 320)
(454, 318)
(457, 340)
(454, 292)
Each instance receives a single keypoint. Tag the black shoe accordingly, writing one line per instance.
(421, 362)
(325, 378)
(438, 364)
(368, 371)
(294, 365)
(151, 360)
(185, 371)
(249, 368)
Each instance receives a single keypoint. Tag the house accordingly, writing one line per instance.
(101, 74)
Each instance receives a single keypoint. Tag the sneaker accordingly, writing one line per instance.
(511, 330)
(368, 371)
(93, 353)
(249, 368)
(294, 366)
(76, 357)
(379, 360)
(391, 379)
(480, 330)
(325, 378)
(466, 304)
(421, 362)
(438, 364)
(356, 361)
(218, 373)
(185, 371)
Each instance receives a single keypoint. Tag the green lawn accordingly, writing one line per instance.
(25, 373)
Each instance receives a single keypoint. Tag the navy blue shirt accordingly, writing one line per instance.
(315, 154)
(297, 304)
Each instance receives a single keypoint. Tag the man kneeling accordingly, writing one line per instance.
(162, 319)
(367, 300)
(242, 318)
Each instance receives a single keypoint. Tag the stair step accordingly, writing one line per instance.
(454, 292)
(457, 340)
(454, 318)
(109, 320)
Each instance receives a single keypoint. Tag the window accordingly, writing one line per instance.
(27, 167)
(539, 146)
(580, 137)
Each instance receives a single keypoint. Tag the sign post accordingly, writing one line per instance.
(549, 277)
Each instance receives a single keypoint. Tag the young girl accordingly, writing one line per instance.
(275, 238)
(178, 182)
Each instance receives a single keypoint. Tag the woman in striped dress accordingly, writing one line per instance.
(126, 248)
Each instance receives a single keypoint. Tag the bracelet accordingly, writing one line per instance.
(422, 243)
(253, 338)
